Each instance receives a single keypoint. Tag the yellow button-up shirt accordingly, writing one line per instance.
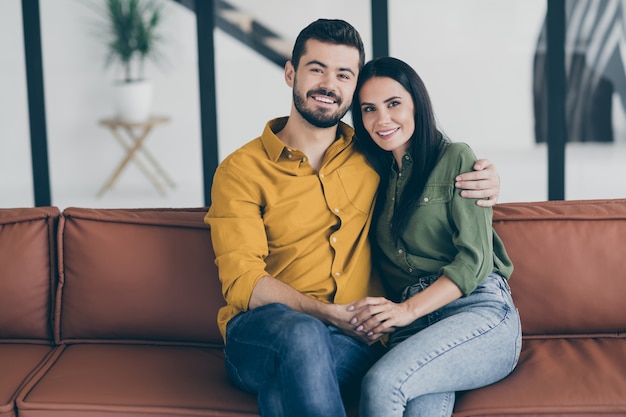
(273, 214)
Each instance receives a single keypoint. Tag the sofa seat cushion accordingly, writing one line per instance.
(89, 380)
(17, 362)
(582, 376)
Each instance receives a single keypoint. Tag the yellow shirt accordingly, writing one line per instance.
(273, 214)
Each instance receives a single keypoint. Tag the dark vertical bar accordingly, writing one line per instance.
(380, 28)
(205, 15)
(36, 101)
(556, 85)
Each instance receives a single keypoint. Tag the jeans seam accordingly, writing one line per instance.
(434, 355)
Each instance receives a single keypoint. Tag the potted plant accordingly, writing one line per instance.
(132, 38)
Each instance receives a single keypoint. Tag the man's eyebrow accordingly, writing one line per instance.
(321, 64)
(316, 62)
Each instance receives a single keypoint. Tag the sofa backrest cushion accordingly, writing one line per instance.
(144, 275)
(570, 264)
(27, 273)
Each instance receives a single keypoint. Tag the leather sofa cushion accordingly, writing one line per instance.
(17, 361)
(585, 377)
(569, 259)
(137, 275)
(113, 380)
(27, 273)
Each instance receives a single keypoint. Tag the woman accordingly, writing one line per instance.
(446, 270)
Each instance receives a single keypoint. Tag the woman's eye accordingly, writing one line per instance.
(367, 109)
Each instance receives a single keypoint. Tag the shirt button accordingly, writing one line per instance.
(334, 239)
(303, 159)
(337, 274)
(289, 156)
(400, 250)
(406, 157)
(322, 176)
(410, 269)
(426, 199)
(336, 210)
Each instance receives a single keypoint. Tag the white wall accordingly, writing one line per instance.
(475, 57)
(83, 154)
(16, 188)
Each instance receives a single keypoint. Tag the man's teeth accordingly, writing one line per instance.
(325, 100)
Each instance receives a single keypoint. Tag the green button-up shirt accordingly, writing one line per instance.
(446, 235)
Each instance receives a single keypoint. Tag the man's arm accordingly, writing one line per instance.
(483, 183)
(269, 290)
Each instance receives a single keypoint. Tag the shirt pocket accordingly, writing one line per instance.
(359, 183)
(436, 194)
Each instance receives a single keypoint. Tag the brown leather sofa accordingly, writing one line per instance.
(112, 313)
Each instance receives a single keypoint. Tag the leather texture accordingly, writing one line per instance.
(112, 312)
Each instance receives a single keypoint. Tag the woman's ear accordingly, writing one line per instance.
(290, 73)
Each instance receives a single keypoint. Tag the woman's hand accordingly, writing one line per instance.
(375, 316)
(340, 316)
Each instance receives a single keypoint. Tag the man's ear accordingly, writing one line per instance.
(290, 73)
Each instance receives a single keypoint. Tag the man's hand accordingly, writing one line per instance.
(339, 316)
(483, 183)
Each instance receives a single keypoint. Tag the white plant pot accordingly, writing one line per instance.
(133, 101)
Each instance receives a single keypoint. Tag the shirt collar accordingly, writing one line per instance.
(274, 147)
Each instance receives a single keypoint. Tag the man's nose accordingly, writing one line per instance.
(328, 82)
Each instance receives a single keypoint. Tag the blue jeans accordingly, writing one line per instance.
(472, 342)
(296, 364)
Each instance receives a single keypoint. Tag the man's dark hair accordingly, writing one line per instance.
(335, 31)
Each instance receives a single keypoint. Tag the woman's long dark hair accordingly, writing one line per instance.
(425, 141)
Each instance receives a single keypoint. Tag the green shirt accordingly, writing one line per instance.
(446, 235)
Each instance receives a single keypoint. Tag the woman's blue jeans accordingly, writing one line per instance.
(297, 365)
(472, 342)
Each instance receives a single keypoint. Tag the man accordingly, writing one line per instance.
(290, 216)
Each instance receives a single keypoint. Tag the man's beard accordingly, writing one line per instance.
(318, 117)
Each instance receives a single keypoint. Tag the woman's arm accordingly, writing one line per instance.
(376, 316)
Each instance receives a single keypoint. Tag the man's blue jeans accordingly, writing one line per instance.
(469, 343)
(297, 365)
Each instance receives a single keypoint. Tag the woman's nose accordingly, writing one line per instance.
(383, 117)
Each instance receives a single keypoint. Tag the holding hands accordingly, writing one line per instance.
(376, 316)
(372, 317)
